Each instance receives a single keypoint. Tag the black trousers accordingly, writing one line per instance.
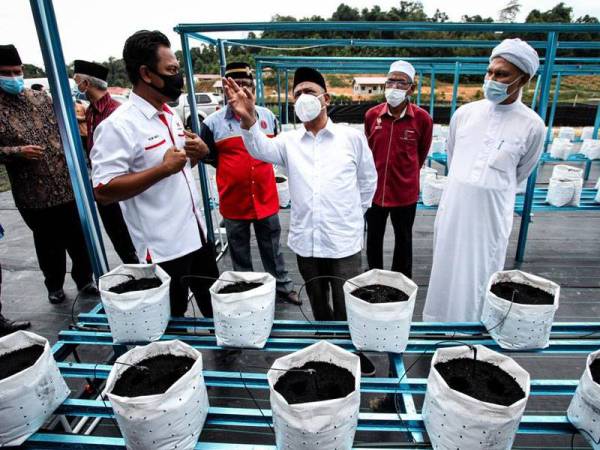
(318, 290)
(56, 232)
(116, 228)
(403, 218)
(200, 262)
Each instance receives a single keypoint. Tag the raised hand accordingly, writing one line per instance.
(241, 101)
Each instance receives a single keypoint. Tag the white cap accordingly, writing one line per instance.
(519, 53)
(404, 67)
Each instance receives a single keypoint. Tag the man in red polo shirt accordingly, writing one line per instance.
(247, 191)
(399, 134)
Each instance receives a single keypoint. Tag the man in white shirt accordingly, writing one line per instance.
(332, 181)
(493, 145)
(143, 158)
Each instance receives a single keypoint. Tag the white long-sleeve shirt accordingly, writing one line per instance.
(332, 180)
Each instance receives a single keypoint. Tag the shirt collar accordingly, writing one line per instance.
(329, 129)
(408, 111)
(145, 107)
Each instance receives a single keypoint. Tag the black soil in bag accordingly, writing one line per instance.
(142, 284)
(325, 381)
(481, 380)
(525, 294)
(240, 286)
(595, 369)
(14, 362)
(379, 293)
(152, 376)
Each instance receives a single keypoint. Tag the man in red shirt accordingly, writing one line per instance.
(91, 80)
(247, 191)
(399, 134)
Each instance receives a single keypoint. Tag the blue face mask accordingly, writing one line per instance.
(495, 91)
(12, 85)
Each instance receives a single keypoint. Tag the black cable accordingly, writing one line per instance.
(269, 425)
(581, 430)
(512, 300)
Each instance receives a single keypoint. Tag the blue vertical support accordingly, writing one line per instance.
(551, 45)
(419, 87)
(54, 62)
(596, 123)
(536, 90)
(287, 96)
(549, 135)
(222, 62)
(191, 91)
(455, 88)
(260, 87)
(279, 108)
(432, 93)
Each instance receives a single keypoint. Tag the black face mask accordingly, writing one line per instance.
(173, 85)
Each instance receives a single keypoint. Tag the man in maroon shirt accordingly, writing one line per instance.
(399, 135)
(91, 80)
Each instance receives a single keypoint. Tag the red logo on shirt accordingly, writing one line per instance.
(263, 124)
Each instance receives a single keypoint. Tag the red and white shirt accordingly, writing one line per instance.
(163, 220)
(247, 189)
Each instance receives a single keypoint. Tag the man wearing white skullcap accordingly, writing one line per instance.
(493, 145)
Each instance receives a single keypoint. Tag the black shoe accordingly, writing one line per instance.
(385, 404)
(57, 297)
(367, 369)
(89, 289)
(10, 326)
(290, 297)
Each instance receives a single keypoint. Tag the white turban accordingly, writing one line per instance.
(404, 67)
(519, 53)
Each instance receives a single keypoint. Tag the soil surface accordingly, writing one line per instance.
(379, 293)
(481, 380)
(525, 294)
(14, 362)
(595, 369)
(142, 284)
(279, 179)
(152, 376)
(240, 286)
(326, 382)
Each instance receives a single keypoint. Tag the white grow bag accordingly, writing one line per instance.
(566, 133)
(433, 187)
(591, 148)
(519, 326)
(170, 420)
(564, 192)
(587, 133)
(325, 425)
(28, 398)
(424, 173)
(381, 327)
(244, 319)
(137, 316)
(457, 421)
(584, 410)
(562, 148)
(283, 191)
(438, 145)
(440, 130)
(597, 198)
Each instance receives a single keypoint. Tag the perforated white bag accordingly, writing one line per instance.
(597, 198)
(568, 172)
(381, 327)
(584, 410)
(440, 131)
(138, 316)
(587, 133)
(433, 187)
(564, 192)
(457, 421)
(170, 420)
(243, 319)
(517, 326)
(562, 148)
(438, 145)
(566, 133)
(424, 173)
(591, 148)
(325, 425)
(28, 398)
(283, 190)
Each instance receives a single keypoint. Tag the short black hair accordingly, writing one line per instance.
(141, 49)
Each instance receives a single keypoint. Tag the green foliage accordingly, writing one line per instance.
(31, 71)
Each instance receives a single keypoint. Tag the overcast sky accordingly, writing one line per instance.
(97, 29)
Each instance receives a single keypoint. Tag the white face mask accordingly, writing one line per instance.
(495, 91)
(395, 96)
(308, 107)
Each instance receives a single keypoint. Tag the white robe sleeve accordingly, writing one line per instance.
(271, 150)
(366, 172)
(535, 145)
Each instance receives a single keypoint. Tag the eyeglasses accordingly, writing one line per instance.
(397, 83)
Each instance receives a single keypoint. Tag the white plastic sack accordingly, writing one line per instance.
(326, 425)
(440, 131)
(283, 190)
(564, 192)
(584, 410)
(566, 133)
(519, 326)
(381, 327)
(597, 198)
(138, 316)
(591, 148)
(28, 398)
(568, 172)
(587, 133)
(438, 145)
(562, 148)
(455, 420)
(425, 171)
(243, 319)
(170, 420)
(433, 187)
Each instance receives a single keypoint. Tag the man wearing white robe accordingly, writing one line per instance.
(493, 145)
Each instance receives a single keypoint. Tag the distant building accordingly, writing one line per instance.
(368, 85)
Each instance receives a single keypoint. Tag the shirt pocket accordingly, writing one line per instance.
(154, 151)
(507, 157)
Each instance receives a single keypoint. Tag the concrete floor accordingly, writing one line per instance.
(564, 247)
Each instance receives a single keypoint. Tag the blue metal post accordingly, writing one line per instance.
(260, 87)
(549, 135)
(542, 110)
(455, 88)
(189, 78)
(54, 62)
(287, 96)
(419, 86)
(535, 92)
(596, 123)
(432, 93)
(222, 63)
(279, 96)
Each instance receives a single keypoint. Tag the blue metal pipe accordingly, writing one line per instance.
(432, 94)
(419, 86)
(549, 135)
